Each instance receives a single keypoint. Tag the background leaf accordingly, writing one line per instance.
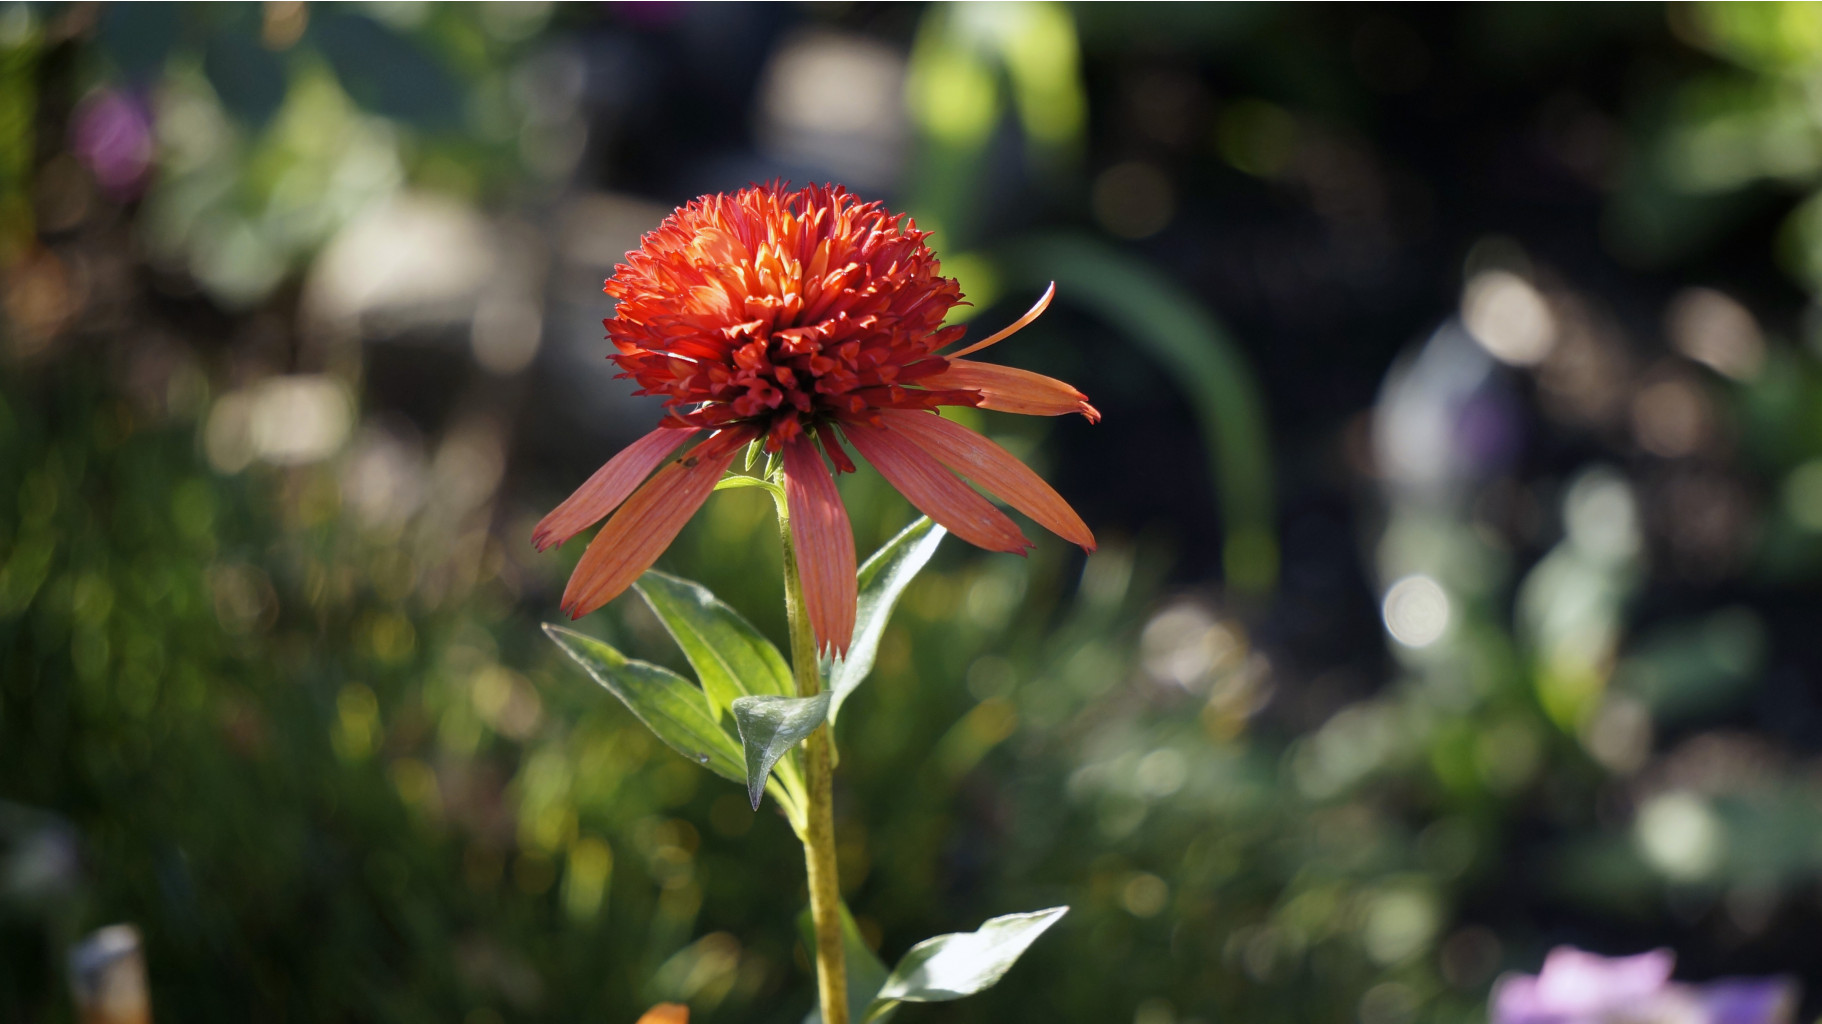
(883, 579)
(385, 70)
(865, 972)
(678, 713)
(249, 78)
(140, 37)
(1214, 374)
(730, 657)
(962, 963)
(770, 727)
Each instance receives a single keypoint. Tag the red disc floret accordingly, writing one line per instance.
(786, 310)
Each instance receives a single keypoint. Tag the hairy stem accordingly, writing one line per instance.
(819, 804)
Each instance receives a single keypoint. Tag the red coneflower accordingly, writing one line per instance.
(801, 318)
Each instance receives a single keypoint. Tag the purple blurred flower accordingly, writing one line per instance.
(111, 134)
(1583, 988)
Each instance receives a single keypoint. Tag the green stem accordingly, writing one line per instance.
(819, 805)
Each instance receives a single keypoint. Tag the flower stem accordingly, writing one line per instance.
(819, 805)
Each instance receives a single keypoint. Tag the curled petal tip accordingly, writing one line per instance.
(1018, 325)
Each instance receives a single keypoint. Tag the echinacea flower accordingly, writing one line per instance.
(802, 318)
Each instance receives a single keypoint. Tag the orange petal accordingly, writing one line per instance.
(994, 469)
(643, 527)
(1017, 325)
(667, 1013)
(1009, 389)
(934, 490)
(824, 543)
(609, 486)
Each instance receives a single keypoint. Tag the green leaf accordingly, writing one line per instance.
(770, 727)
(882, 580)
(734, 480)
(731, 658)
(961, 963)
(865, 973)
(677, 712)
(1201, 359)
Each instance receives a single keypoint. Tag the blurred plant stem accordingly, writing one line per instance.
(818, 833)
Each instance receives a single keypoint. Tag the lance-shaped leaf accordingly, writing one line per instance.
(670, 707)
(731, 658)
(865, 973)
(882, 580)
(961, 963)
(770, 727)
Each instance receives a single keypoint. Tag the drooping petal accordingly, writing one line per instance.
(994, 468)
(1009, 389)
(831, 443)
(1018, 325)
(934, 490)
(643, 527)
(610, 485)
(824, 543)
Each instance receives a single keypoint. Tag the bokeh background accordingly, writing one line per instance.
(1460, 498)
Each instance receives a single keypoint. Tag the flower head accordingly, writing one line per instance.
(1578, 987)
(803, 318)
(111, 133)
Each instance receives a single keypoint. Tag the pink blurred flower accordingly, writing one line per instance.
(111, 133)
(1577, 987)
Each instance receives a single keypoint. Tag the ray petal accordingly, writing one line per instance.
(610, 485)
(824, 543)
(1018, 325)
(1009, 389)
(643, 527)
(934, 490)
(994, 468)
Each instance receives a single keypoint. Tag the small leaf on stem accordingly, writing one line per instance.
(770, 727)
(961, 963)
